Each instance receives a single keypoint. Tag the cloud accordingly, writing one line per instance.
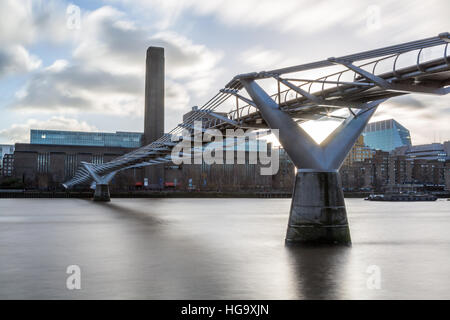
(194, 65)
(262, 59)
(111, 43)
(176, 96)
(420, 105)
(305, 17)
(20, 132)
(29, 21)
(289, 15)
(117, 45)
(184, 58)
(24, 23)
(64, 88)
(107, 71)
(424, 115)
(16, 59)
(402, 19)
(407, 102)
(16, 22)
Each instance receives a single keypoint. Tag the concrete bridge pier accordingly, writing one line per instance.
(101, 193)
(318, 214)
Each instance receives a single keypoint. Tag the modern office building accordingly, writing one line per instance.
(4, 150)
(430, 151)
(53, 156)
(93, 139)
(386, 135)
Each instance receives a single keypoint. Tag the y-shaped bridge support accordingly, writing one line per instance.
(318, 212)
(101, 192)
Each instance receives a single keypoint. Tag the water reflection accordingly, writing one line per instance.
(143, 215)
(320, 272)
(216, 249)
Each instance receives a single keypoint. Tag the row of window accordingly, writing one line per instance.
(70, 163)
(118, 139)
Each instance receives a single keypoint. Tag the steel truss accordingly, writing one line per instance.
(295, 97)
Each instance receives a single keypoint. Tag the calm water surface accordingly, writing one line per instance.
(217, 249)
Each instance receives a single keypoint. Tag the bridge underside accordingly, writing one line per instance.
(350, 94)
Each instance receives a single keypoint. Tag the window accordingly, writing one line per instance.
(43, 162)
(70, 165)
(97, 159)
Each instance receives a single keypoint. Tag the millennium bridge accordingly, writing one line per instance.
(348, 88)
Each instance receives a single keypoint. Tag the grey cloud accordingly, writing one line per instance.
(429, 116)
(176, 54)
(423, 106)
(5, 62)
(41, 95)
(16, 59)
(132, 43)
(405, 104)
(408, 102)
(97, 80)
(128, 43)
(108, 68)
(51, 90)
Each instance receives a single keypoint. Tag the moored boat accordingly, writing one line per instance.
(401, 197)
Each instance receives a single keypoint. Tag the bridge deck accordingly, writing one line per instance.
(298, 99)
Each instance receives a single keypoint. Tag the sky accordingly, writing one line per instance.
(81, 65)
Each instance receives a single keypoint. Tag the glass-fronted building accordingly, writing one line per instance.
(4, 150)
(78, 138)
(386, 135)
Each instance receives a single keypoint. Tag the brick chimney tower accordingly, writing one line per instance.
(154, 108)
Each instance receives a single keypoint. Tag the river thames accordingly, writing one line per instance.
(218, 249)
